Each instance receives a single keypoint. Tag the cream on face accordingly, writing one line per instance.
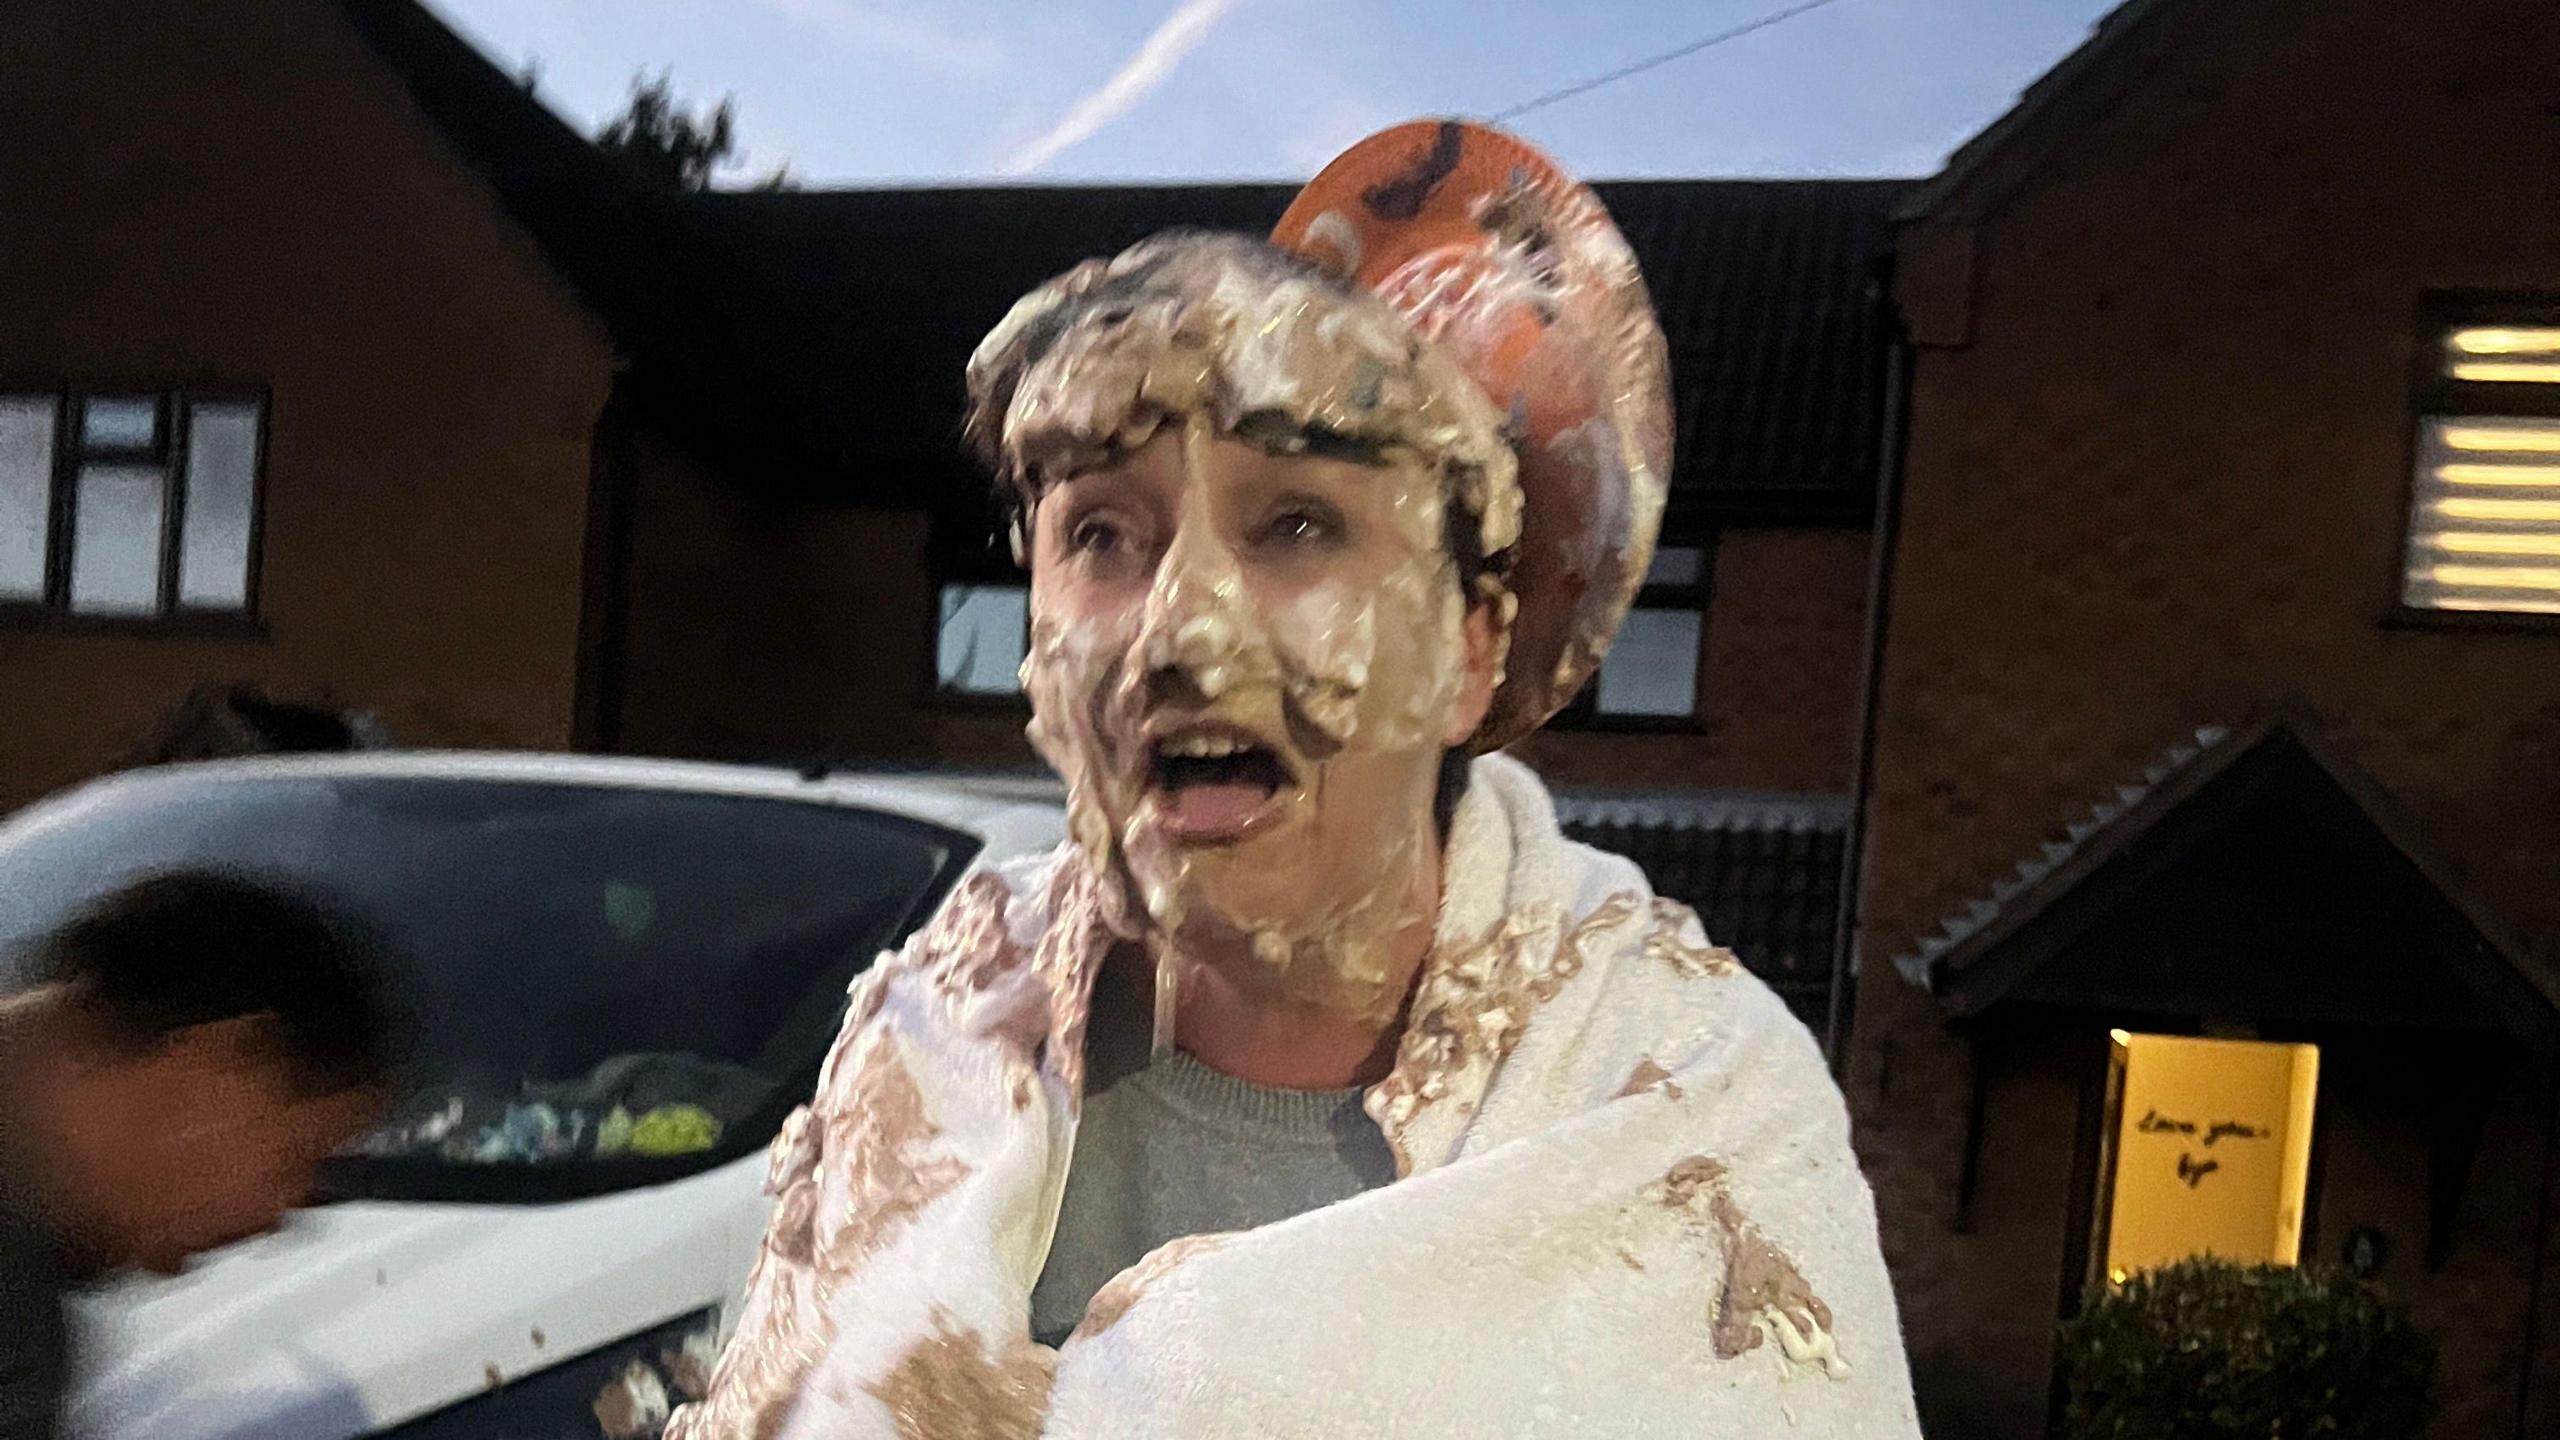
(1250, 644)
(1248, 666)
(1085, 369)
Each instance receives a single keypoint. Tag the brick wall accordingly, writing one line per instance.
(779, 629)
(765, 629)
(692, 588)
(240, 192)
(1777, 680)
(2162, 482)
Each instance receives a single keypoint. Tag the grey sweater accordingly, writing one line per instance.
(1175, 1148)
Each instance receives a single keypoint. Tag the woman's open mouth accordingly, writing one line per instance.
(1214, 783)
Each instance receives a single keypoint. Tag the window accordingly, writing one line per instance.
(26, 494)
(128, 505)
(2484, 518)
(982, 610)
(1650, 676)
(980, 639)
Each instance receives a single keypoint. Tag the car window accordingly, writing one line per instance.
(615, 985)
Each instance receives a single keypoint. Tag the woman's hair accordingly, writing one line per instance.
(1456, 764)
(1275, 350)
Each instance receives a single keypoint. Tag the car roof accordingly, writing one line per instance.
(1009, 814)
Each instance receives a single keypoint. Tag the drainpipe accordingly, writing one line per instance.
(1897, 426)
(2544, 1179)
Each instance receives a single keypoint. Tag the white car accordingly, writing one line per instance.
(628, 973)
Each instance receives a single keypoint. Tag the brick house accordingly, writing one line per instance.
(2212, 690)
(2220, 681)
(378, 394)
(339, 366)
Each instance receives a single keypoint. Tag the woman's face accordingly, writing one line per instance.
(1248, 667)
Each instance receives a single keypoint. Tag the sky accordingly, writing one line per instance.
(867, 92)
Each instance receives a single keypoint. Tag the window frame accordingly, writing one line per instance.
(1583, 715)
(2433, 394)
(175, 404)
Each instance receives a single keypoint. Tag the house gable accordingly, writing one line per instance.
(2255, 875)
(236, 195)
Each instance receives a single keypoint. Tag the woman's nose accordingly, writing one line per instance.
(1196, 620)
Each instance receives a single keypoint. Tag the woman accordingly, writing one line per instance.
(1318, 1086)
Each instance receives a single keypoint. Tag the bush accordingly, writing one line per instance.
(2209, 1350)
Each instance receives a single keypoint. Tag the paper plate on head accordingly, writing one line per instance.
(1494, 252)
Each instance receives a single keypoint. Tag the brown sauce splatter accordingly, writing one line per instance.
(1763, 1295)
(948, 1387)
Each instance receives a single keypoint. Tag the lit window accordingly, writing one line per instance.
(981, 639)
(2484, 519)
(2503, 355)
(128, 506)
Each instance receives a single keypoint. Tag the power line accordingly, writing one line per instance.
(1666, 57)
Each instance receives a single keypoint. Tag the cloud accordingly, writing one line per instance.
(873, 27)
(1145, 69)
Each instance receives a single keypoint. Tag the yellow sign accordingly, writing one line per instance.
(2212, 1150)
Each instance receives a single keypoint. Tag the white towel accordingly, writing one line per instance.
(1628, 1204)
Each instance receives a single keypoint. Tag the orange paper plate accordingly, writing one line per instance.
(1492, 251)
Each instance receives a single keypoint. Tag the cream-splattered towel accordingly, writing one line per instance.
(1628, 1206)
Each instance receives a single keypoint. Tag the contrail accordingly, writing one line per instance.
(1144, 71)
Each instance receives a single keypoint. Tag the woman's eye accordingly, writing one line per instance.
(1301, 525)
(1093, 535)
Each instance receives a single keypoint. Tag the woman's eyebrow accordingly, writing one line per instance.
(1281, 434)
(1111, 475)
